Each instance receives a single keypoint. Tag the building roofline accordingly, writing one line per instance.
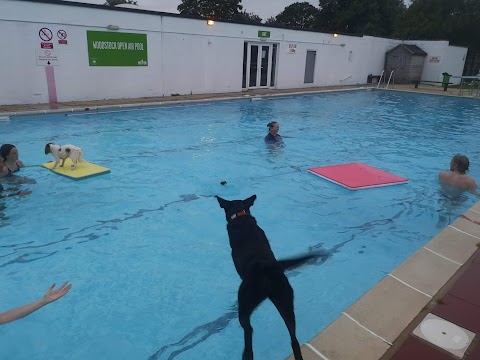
(193, 17)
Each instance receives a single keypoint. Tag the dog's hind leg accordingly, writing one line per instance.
(282, 298)
(248, 300)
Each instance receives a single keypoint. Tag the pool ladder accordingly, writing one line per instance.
(381, 77)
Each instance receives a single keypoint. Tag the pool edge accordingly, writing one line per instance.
(378, 324)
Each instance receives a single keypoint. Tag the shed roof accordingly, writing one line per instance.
(412, 49)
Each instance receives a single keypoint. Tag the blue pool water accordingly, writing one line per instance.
(146, 246)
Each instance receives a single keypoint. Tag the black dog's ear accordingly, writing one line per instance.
(222, 202)
(249, 202)
(47, 149)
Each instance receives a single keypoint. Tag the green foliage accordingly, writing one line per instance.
(118, 2)
(367, 17)
(455, 20)
(249, 18)
(299, 15)
(214, 9)
(271, 20)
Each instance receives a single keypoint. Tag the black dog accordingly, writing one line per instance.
(262, 275)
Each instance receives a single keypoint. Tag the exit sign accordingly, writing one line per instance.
(263, 34)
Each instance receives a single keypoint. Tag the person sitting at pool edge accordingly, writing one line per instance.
(50, 296)
(9, 154)
(457, 176)
(273, 137)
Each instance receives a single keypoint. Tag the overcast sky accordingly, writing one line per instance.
(263, 8)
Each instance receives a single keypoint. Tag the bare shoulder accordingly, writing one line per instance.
(443, 175)
(472, 183)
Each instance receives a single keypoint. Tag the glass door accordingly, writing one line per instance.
(258, 71)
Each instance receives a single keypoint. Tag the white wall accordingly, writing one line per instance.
(75, 79)
(185, 55)
(451, 60)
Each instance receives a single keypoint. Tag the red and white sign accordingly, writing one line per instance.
(62, 34)
(434, 59)
(46, 45)
(292, 48)
(62, 37)
(45, 34)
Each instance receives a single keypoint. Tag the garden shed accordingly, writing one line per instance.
(406, 62)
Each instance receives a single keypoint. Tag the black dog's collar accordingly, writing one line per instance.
(241, 213)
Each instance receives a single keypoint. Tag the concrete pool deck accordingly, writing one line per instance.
(440, 280)
(91, 105)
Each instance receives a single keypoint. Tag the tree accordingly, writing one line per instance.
(453, 20)
(118, 2)
(369, 17)
(250, 18)
(215, 9)
(299, 15)
(271, 20)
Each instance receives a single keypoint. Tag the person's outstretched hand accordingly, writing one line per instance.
(53, 294)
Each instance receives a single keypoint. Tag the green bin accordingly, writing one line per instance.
(446, 80)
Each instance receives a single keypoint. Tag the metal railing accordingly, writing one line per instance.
(390, 78)
(380, 80)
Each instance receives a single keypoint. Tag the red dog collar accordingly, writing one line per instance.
(241, 213)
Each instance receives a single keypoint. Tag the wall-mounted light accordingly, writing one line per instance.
(113, 27)
(210, 22)
(335, 35)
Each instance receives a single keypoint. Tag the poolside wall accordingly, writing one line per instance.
(186, 56)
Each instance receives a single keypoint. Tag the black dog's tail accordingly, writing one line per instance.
(295, 262)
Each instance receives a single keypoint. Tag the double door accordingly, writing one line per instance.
(259, 65)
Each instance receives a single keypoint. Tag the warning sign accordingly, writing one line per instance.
(45, 34)
(62, 34)
(46, 45)
(47, 57)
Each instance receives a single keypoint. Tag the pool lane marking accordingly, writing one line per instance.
(453, 261)
(316, 351)
(370, 331)
(453, 227)
(410, 286)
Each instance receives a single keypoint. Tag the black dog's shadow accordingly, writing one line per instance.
(263, 276)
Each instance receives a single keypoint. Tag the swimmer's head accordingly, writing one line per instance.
(459, 163)
(223, 183)
(273, 127)
(8, 149)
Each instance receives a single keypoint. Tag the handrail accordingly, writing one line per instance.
(379, 80)
(389, 79)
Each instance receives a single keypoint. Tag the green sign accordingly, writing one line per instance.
(116, 49)
(263, 34)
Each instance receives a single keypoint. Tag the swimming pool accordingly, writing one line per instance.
(146, 246)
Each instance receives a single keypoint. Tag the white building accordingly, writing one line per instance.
(55, 51)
